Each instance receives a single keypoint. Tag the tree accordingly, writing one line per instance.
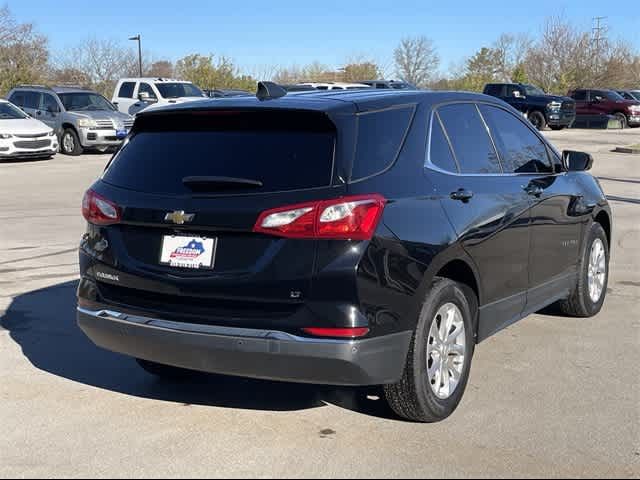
(161, 68)
(359, 71)
(519, 74)
(103, 61)
(205, 73)
(23, 53)
(416, 60)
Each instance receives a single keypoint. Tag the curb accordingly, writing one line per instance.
(627, 150)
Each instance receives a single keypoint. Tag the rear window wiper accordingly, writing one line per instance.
(204, 184)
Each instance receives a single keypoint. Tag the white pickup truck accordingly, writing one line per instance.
(133, 95)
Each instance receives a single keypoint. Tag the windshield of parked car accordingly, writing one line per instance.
(530, 90)
(178, 90)
(9, 112)
(85, 102)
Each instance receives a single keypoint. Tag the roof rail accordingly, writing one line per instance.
(70, 85)
(26, 85)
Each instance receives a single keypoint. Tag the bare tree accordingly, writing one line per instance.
(161, 68)
(23, 52)
(416, 60)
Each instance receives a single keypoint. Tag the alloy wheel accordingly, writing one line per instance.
(446, 351)
(597, 270)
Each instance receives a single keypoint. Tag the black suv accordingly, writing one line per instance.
(343, 238)
(541, 109)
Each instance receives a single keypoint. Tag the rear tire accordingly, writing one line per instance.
(165, 371)
(421, 395)
(538, 120)
(70, 143)
(583, 302)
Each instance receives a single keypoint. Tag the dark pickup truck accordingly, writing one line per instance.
(541, 109)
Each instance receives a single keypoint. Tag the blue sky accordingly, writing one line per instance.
(297, 32)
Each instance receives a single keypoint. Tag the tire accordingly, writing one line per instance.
(623, 119)
(557, 128)
(413, 397)
(538, 120)
(581, 303)
(165, 371)
(70, 143)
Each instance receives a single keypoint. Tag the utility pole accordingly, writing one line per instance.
(138, 38)
(598, 37)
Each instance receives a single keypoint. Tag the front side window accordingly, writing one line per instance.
(580, 96)
(9, 112)
(146, 88)
(83, 102)
(49, 104)
(470, 140)
(521, 151)
(32, 100)
(178, 90)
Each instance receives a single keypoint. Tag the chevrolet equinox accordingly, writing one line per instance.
(344, 238)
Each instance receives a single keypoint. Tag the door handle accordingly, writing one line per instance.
(533, 190)
(38, 112)
(462, 195)
(115, 103)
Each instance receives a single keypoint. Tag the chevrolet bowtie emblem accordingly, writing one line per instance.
(179, 217)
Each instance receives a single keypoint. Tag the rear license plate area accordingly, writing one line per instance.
(189, 252)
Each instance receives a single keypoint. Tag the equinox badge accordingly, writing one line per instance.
(179, 217)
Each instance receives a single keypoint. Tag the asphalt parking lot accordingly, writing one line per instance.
(550, 396)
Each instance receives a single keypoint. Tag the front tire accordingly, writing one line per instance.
(439, 358)
(623, 120)
(590, 291)
(538, 120)
(70, 143)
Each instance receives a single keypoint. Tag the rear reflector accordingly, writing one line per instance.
(337, 332)
(98, 210)
(347, 218)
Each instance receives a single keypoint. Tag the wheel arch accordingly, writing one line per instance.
(603, 218)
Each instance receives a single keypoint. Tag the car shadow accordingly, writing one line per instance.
(43, 323)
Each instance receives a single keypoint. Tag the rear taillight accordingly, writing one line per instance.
(337, 332)
(347, 218)
(98, 210)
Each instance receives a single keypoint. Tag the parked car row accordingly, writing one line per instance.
(557, 112)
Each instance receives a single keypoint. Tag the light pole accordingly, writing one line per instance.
(138, 38)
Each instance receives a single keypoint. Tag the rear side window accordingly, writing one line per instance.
(293, 154)
(439, 150)
(470, 140)
(495, 90)
(520, 149)
(17, 99)
(380, 137)
(126, 90)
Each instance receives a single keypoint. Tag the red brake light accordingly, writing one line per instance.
(337, 332)
(347, 218)
(98, 210)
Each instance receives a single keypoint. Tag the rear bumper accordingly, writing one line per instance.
(262, 354)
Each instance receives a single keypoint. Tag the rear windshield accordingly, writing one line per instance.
(282, 159)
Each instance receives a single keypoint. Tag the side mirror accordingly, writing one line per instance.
(577, 161)
(52, 110)
(518, 94)
(146, 98)
(598, 99)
